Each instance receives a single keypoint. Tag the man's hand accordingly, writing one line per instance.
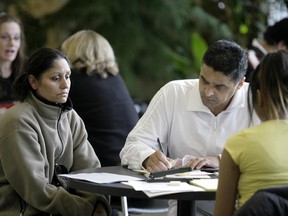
(199, 162)
(157, 162)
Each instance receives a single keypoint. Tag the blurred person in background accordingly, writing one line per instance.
(99, 94)
(275, 38)
(12, 57)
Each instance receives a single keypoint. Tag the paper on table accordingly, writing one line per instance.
(100, 177)
(207, 184)
(157, 189)
(192, 174)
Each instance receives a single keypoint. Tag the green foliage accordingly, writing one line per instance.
(198, 48)
(154, 41)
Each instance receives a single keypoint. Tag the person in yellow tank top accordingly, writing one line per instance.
(256, 158)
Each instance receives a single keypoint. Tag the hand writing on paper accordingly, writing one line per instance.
(199, 162)
(157, 162)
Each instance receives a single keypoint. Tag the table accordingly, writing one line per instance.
(185, 201)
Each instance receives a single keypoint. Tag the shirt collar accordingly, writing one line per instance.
(194, 102)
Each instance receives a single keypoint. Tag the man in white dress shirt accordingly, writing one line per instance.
(194, 117)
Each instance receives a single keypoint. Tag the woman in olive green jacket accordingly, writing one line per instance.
(38, 133)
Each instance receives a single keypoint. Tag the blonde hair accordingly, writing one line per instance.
(88, 49)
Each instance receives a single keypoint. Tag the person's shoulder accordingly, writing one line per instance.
(245, 87)
(274, 126)
(20, 112)
(180, 87)
(74, 116)
(249, 133)
(184, 83)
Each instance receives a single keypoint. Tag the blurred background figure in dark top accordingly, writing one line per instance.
(99, 94)
(12, 57)
(274, 38)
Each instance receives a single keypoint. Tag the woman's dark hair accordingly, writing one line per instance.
(253, 86)
(271, 79)
(19, 62)
(39, 62)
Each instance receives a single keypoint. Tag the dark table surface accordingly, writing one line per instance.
(186, 200)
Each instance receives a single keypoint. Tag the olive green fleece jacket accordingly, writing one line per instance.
(33, 137)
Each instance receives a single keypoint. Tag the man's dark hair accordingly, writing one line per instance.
(227, 57)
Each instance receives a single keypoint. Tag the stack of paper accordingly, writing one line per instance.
(100, 177)
(192, 175)
(163, 188)
(206, 184)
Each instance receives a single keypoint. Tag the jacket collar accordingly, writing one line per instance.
(65, 106)
(47, 109)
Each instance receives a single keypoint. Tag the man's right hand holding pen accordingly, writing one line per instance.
(158, 161)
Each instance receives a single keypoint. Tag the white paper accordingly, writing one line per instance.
(207, 184)
(161, 188)
(192, 174)
(100, 177)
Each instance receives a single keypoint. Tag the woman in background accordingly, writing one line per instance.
(274, 38)
(99, 94)
(38, 136)
(12, 58)
(256, 158)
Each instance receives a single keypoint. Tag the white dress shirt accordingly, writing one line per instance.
(177, 116)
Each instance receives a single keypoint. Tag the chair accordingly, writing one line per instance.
(205, 207)
(135, 206)
(266, 202)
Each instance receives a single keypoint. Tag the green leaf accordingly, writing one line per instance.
(198, 48)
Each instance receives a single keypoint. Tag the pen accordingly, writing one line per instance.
(160, 145)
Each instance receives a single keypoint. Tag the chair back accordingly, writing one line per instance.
(266, 202)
